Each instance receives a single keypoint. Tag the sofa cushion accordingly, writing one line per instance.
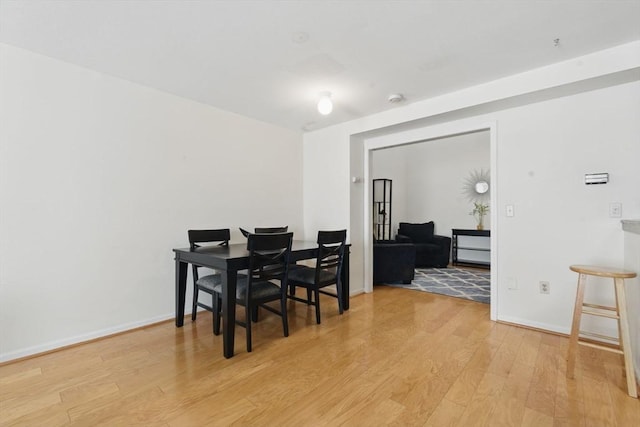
(417, 232)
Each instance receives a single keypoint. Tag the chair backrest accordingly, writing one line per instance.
(418, 233)
(330, 254)
(263, 230)
(268, 257)
(221, 236)
(272, 229)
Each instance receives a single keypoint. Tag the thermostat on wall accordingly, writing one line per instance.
(596, 178)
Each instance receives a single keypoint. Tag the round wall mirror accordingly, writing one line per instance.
(477, 185)
(482, 187)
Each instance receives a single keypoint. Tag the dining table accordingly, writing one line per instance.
(228, 260)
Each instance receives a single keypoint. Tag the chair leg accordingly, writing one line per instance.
(625, 337)
(254, 314)
(339, 292)
(194, 308)
(316, 291)
(285, 319)
(247, 315)
(575, 326)
(309, 295)
(217, 308)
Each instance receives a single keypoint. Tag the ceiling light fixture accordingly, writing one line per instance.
(325, 105)
(394, 98)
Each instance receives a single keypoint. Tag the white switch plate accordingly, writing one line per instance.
(510, 211)
(615, 210)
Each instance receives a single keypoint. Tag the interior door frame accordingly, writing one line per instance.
(413, 136)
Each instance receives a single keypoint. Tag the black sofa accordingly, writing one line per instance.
(393, 262)
(432, 250)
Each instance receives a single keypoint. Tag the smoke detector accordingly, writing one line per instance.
(395, 98)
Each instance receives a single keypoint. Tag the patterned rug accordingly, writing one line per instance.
(456, 282)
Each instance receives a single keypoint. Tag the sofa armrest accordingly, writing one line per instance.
(434, 252)
(403, 239)
(440, 239)
(444, 242)
(393, 262)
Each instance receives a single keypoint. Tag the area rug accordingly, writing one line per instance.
(456, 282)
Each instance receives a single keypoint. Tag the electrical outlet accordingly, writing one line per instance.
(512, 283)
(545, 288)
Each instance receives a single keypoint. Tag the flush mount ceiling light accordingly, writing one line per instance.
(325, 105)
(395, 98)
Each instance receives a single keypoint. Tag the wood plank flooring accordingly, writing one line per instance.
(397, 358)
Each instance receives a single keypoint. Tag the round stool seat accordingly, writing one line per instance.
(594, 270)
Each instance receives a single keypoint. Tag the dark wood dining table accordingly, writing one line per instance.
(228, 260)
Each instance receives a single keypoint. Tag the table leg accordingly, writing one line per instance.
(345, 279)
(229, 281)
(181, 288)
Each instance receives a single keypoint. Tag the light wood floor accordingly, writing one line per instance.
(398, 357)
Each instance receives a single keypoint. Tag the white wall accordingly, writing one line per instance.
(544, 150)
(327, 209)
(552, 125)
(429, 177)
(100, 178)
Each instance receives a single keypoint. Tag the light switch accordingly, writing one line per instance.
(510, 211)
(615, 210)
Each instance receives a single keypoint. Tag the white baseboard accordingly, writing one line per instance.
(53, 345)
(532, 324)
(549, 327)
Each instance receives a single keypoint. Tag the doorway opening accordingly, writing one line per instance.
(424, 138)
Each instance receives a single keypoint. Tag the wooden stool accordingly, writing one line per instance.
(619, 312)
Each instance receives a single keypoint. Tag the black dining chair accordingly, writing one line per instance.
(265, 282)
(263, 230)
(327, 271)
(266, 230)
(211, 283)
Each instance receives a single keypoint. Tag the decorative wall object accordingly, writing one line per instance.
(477, 186)
(477, 189)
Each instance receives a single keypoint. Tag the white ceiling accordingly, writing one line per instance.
(269, 59)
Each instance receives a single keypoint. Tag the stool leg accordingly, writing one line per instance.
(575, 326)
(625, 339)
